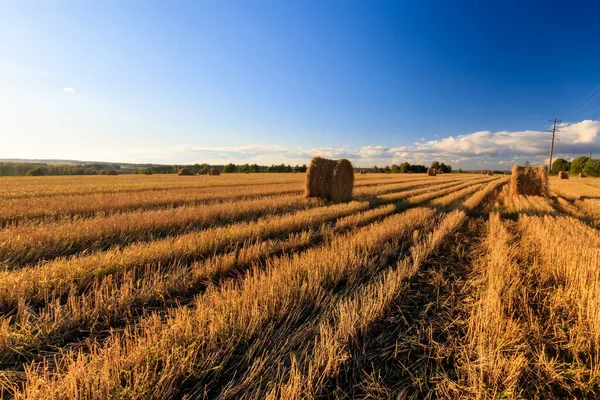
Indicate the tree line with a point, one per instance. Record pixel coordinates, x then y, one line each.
586 165
42 169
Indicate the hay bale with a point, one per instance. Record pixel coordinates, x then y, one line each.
409 172
329 179
582 175
214 171
111 172
203 171
147 172
363 172
185 172
102 173
431 172
563 175
491 173
529 181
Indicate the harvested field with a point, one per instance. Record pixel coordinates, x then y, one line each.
153 287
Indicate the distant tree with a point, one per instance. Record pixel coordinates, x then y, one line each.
387 169
460 171
254 168
301 168
37 171
375 169
395 169
527 163
435 165
404 167
244 168
560 164
592 167
230 168
578 164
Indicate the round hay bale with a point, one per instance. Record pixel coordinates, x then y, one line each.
329 179
363 172
563 175
409 172
491 173
203 171
582 175
431 172
214 171
529 181
111 172
148 172
185 172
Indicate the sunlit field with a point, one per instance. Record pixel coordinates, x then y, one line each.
236 286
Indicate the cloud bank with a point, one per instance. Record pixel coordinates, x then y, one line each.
482 149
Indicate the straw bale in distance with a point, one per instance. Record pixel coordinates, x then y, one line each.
147 172
214 171
330 179
111 172
529 181
491 173
431 172
582 175
185 172
563 175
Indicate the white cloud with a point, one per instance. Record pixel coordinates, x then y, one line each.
68 90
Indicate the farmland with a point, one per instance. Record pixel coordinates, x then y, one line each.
236 286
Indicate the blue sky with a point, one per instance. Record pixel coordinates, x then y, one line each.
468 83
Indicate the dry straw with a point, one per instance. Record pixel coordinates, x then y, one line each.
214 171
431 172
563 175
582 175
529 181
330 179
185 172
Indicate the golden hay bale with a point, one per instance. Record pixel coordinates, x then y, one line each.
491 173
185 172
582 175
111 172
214 171
330 179
203 171
363 172
529 181
409 172
563 175
431 172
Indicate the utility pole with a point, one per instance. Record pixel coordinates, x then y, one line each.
552 147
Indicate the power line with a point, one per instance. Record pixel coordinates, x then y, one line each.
595 93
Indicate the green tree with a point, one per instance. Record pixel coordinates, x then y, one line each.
230 168
560 164
435 165
387 169
592 167
404 167
395 169
37 171
578 164
375 169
